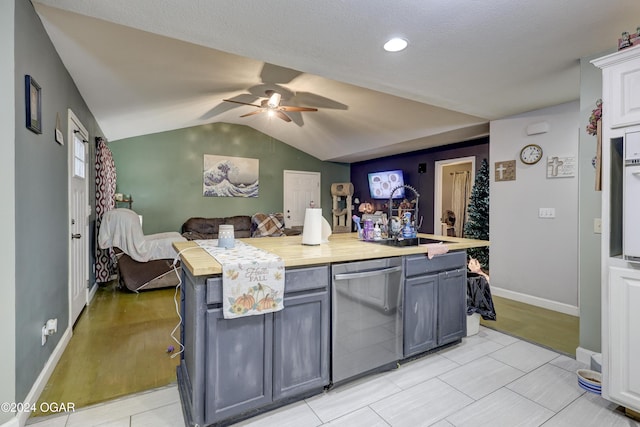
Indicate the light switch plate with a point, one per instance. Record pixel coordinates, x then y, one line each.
597 225
547 213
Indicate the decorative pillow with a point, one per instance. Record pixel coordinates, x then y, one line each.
270 225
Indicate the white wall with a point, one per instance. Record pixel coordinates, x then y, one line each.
531 259
7 211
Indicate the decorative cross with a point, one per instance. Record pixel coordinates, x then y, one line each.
505 170
555 164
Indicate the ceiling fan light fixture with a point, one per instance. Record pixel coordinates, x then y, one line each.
396 44
274 100
271 106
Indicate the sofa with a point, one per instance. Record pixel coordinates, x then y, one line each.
197 228
257 225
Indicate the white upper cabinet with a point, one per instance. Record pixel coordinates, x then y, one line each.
621 77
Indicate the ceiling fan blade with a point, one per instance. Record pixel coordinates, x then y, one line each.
308 98
282 115
276 74
243 103
253 112
292 108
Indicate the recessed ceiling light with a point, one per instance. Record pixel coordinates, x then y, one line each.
396 44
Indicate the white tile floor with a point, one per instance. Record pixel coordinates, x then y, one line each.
490 379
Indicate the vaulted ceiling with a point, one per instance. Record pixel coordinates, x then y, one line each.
149 66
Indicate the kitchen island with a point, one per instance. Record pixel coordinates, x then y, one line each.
235 368
340 248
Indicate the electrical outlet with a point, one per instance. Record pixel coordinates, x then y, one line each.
597 225
52 326
49 328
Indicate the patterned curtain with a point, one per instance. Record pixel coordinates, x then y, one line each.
460 199
105 201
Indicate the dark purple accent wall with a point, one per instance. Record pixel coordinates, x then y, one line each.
422 182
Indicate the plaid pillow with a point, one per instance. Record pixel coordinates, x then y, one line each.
270 225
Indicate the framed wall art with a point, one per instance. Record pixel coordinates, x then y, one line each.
33 101
505 171
230 176
561 167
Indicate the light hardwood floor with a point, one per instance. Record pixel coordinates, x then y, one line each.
549 328
119 346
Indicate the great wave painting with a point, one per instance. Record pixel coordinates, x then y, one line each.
230 176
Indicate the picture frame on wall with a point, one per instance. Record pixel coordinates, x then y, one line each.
33 101
226 176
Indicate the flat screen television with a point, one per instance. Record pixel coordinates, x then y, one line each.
382 183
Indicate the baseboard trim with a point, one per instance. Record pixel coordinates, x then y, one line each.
45 374
13 422
537 301
91 292
584 356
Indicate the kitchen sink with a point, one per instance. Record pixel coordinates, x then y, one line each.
414 241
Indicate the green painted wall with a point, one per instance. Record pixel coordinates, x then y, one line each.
163 173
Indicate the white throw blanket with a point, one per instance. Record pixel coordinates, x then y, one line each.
252 279
121 228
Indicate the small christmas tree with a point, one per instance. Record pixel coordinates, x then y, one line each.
477 225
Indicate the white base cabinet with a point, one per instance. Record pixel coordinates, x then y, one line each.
623 364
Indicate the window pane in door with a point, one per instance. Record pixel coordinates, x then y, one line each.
78 157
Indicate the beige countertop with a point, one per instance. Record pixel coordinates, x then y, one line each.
340 248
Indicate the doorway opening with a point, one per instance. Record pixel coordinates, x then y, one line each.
454 180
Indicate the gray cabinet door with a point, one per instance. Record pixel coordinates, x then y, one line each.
238 364
420 314
452 305
301 345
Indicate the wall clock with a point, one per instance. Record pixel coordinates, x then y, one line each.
530 154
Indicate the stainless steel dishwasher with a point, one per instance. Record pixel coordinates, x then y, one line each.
366 326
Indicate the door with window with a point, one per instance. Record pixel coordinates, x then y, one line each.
78 216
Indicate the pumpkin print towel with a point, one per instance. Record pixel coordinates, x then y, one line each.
252 279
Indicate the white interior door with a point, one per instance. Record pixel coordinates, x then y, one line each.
300 189
79 211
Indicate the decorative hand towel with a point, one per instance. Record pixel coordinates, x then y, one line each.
252 279
434 249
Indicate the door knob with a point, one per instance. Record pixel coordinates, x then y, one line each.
76 236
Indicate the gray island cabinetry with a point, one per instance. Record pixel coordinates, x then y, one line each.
232 367
435 301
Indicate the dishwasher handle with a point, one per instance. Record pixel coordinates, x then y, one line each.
347 276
